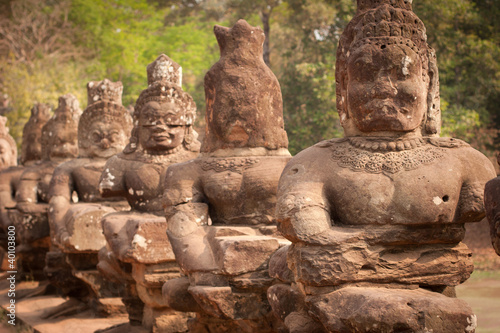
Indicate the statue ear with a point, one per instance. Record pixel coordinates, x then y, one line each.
133 142
341 89
433 122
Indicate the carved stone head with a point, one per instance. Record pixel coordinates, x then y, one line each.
164 113
59 135
243 96
105 124
387 79
31 149
8 149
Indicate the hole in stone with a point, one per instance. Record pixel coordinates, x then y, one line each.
383 47
446 198
294 170
367 267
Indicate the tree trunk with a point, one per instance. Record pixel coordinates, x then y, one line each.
264 17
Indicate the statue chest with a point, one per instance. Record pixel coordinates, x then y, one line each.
144 186
86 180
429 194
242 190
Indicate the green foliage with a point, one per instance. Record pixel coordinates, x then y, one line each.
42 81
307 36
129 34
310 111
40 62
466 37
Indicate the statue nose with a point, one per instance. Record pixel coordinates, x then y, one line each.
105 144
385 88
160 128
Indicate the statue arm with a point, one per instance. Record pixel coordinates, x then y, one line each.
477 170
112 181
301 209
60 190
5 202
7 180
492 206
27 192
186 215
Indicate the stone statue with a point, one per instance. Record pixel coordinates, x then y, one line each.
59 144
31 152
163 134
76 206
491 202
31 148
220 206
8 148
377 218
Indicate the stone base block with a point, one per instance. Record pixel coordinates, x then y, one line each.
427 265
83 222
372 309
222 302
30 227
165 320
241 254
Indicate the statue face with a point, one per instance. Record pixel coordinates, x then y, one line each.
5 154
64 144
34 146
385 89
156 132
105 139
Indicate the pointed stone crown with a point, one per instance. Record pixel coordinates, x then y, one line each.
164 69
165 86
385 22
105 91
105 104
67 110
32 133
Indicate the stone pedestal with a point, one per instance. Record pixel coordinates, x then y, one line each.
233 293
32 235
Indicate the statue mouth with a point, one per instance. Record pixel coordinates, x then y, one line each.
384 107
161 137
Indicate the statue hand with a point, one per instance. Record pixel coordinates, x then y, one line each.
32 208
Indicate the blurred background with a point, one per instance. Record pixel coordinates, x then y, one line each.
52 47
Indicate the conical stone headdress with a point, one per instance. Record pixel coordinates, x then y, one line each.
242 94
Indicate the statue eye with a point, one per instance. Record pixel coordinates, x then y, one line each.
113 137
96 137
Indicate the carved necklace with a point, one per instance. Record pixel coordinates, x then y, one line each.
377 155
234 164
386 144
173 155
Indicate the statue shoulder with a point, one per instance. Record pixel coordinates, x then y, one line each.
448 142
332 143
187 169
313 163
